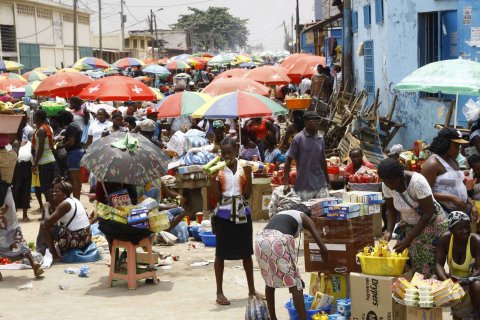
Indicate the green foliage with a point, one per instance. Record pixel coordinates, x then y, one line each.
214 23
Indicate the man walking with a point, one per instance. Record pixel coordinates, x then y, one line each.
308 149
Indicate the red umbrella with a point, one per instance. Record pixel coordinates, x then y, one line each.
305 67
117 89
63 84
269 75
291 59
232 73
10 84
227 85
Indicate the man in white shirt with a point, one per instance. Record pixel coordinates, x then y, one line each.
305 86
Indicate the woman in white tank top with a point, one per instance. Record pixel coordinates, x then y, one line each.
68 226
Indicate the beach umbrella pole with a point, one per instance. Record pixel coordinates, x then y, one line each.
456 110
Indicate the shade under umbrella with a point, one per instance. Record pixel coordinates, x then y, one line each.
133 160
305 67
117 88
239 104
227 85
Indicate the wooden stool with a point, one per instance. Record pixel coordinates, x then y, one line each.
133 273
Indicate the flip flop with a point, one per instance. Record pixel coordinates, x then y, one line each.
38 272
223 301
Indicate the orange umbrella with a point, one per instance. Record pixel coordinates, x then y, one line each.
117 89
9 84
63 84
232 73
227 85
305 67
269 75
151 61
291 59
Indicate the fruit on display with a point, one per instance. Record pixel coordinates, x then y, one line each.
9 107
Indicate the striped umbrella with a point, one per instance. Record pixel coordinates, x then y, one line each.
177 65
11 75
183 57
226 85
161 71
47 70
6 65
34 75
128 62
181 104
25 91
91 62
239 104
158 95
221 59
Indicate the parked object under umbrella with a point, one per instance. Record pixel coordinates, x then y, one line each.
126 158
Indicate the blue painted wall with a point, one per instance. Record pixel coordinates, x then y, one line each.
306 47
396 54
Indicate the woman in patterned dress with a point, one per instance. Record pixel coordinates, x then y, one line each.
277 257
409 194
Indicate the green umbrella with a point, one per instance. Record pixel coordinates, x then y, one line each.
459 77
220 59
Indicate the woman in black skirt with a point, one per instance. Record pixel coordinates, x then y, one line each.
22 179
233 223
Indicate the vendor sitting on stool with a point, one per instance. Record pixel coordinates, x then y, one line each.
357 161
455 246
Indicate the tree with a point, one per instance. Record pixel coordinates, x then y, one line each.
214 28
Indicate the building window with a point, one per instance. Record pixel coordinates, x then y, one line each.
367 19
142 44
25 10
369 73
7 34
44 13
379 11
29 56
84 20
437 38
126 43
85 52
135 43
68 17
355 21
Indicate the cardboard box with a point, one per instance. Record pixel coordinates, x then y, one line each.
372 298
341 231
336 285
345 207
377 224
423 314
259 191
341 256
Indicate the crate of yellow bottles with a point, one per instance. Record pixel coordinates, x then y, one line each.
379 260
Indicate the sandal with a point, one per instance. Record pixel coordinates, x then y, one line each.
223 301
38 272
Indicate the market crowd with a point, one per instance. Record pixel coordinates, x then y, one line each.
429 207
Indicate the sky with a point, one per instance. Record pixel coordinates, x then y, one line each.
265 16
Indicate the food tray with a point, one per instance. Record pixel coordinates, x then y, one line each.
295 104
403 303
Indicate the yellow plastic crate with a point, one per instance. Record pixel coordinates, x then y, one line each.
381 266
158 221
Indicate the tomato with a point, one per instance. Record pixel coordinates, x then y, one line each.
366 178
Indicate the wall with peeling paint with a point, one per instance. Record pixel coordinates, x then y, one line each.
396 55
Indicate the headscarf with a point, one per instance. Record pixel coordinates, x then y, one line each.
455 217
4 140
217 124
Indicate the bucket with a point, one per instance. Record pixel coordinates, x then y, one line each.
292 312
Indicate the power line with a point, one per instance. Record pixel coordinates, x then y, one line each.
131 13
174 5
132 25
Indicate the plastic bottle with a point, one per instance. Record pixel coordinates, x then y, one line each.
84 271
416 149
256 166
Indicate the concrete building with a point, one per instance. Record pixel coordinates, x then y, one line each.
40 33
111 47
391 39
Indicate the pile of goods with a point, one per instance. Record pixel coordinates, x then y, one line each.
426 293
380 260
144 215
11 108
278 177
53 107
364 175
414 159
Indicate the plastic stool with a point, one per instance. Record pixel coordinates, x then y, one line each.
133 273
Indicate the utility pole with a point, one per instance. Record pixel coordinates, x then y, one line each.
293 48
122 25
298 29
156 36
75 31
100 27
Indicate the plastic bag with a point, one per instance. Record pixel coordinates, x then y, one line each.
256 309
280 201
471 110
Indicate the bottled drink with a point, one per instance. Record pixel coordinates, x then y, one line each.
256 166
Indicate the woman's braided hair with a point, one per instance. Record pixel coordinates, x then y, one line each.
390 168
66 186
